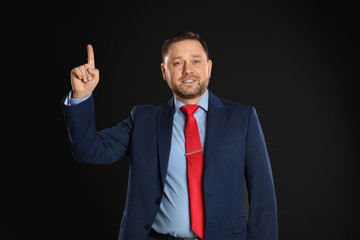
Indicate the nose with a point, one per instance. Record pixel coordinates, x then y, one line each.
187 68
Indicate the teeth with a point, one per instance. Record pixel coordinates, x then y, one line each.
187 81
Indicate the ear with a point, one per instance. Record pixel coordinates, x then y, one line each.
163 71
209 67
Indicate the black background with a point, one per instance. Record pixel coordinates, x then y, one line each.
296 62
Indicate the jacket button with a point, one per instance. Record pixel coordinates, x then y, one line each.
158 200
147 226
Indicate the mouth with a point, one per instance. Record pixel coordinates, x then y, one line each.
188 81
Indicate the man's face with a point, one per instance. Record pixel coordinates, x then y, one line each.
186 69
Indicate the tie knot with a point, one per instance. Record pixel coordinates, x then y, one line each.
189 109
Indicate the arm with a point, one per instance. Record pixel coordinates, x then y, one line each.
90 146
260 185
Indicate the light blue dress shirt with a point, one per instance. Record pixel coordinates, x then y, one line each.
174 213
173 216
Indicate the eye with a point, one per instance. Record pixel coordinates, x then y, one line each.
177 63
196 61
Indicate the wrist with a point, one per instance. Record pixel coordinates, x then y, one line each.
78 95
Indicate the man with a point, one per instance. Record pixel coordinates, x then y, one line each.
187 169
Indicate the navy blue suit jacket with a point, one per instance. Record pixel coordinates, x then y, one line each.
235 153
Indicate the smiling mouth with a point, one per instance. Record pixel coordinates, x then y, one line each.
188 81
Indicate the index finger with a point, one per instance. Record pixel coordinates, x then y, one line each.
91 58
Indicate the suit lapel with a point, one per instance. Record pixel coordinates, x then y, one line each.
215 121
164 130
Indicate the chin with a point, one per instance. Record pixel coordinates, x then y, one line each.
192 94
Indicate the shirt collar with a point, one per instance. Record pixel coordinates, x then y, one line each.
203 102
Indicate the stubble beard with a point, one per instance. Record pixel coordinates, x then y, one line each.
188 92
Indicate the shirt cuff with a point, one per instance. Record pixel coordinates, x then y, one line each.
69 101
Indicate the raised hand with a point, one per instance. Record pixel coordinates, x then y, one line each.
84 78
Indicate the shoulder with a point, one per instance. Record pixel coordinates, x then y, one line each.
238 110
148 110
229 105
235 105
231 109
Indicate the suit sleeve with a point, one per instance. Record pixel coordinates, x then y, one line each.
88 145
260 185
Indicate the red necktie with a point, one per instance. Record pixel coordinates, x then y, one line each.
195 164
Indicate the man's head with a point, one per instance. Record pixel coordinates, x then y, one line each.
186 66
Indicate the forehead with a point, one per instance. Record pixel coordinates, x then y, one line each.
185 48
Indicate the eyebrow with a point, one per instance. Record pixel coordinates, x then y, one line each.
193 56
